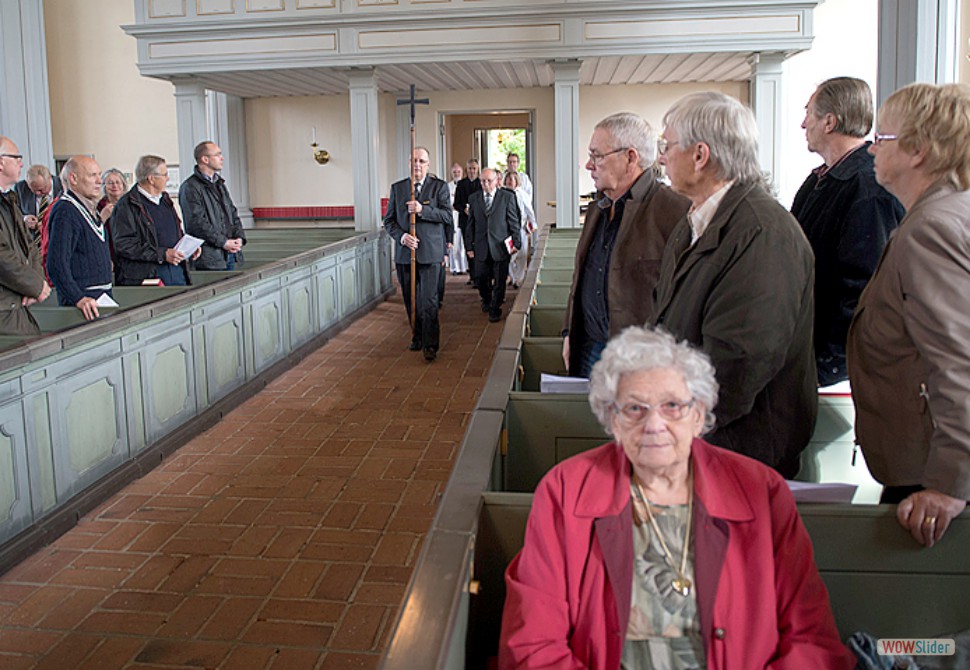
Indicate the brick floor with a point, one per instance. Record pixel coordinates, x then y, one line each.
282 538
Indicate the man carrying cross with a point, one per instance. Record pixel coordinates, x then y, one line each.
433 231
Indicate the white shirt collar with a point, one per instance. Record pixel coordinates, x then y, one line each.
700 217
154 198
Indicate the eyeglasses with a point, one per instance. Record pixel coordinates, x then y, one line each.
161 174
663 144
16 157
879 138
596 159
635 413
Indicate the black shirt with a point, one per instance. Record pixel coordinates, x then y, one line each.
594 282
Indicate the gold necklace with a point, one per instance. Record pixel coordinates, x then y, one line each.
681 583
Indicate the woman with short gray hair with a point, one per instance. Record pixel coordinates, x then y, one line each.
659 551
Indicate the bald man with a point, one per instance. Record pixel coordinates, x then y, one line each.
78 259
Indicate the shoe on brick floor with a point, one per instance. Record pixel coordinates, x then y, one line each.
430 354
495 316
414 346
485 307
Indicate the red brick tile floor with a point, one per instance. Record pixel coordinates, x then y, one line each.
284 537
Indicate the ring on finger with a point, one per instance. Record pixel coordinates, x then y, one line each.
929 520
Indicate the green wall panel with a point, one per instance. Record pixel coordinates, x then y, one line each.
170 383
92 425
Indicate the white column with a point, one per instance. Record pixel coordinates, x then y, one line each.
566 92
364 138
25 110
403 122
227 128
190 118
766 102
918 41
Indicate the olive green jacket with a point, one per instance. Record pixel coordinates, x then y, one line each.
20 272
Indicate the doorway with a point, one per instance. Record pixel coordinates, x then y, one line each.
488 136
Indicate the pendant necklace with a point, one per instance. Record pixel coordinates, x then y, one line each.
681 584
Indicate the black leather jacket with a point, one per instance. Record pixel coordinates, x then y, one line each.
211 216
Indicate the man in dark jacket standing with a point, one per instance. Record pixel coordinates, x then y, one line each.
210 213
434 229
845 214
623 239
145 230
737 281
493 218
21 280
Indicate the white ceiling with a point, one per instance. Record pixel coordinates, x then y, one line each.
467 75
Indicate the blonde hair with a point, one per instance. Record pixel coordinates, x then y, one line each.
936 120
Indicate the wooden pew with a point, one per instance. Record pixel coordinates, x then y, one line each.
879 579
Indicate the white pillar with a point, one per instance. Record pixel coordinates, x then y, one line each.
918 41
25 110
766 102
364 138
403 122
566 91
227 128
190 118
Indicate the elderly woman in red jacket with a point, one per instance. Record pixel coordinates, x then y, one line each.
659 550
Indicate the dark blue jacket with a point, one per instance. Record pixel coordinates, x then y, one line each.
847 217
77 256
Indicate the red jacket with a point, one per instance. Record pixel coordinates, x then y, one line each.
761 601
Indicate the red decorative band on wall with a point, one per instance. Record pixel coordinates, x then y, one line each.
338 212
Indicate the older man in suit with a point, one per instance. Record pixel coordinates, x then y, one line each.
431 206
36 193
493 218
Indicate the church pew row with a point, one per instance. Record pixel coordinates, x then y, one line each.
88 406
880 579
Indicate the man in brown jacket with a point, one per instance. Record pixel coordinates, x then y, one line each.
623 239
21 280
737 281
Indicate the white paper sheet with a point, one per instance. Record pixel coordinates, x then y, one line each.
105 300
827 492
187 245
559 384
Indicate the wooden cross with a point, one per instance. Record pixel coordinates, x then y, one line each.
411 100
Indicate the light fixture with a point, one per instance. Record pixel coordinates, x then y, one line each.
321 156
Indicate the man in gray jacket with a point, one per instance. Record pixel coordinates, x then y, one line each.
737 281
209 212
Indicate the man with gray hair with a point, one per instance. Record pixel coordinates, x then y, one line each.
36 193
622 242
146 229
737 281
78 259
846 215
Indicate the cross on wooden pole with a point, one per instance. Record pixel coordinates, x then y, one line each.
412 101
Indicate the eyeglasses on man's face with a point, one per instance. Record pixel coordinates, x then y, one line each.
663 144
16 157
597 158
635 413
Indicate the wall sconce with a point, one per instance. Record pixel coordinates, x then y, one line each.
321 156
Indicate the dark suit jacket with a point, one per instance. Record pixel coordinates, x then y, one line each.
744 294
434 226
463 191
27 199
486 233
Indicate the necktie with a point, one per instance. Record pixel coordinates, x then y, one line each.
45 202
417 189
488 202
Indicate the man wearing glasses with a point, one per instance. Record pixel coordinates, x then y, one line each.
737 282
845 214
622 243
21 280
210 213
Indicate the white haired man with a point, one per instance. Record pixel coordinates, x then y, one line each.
737 281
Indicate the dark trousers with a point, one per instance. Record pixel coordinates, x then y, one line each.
425 302
441 285
491 282
589 353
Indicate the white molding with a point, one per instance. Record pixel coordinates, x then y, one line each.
566 95
364 139
767 103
